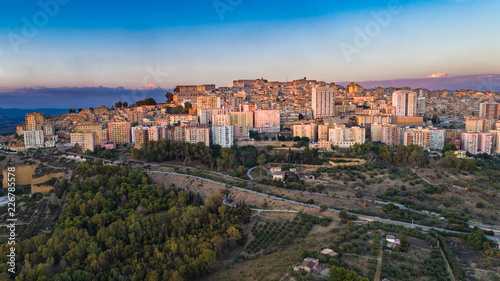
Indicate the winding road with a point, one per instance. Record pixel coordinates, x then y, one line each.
363 217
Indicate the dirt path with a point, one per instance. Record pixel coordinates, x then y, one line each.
447 265
379 263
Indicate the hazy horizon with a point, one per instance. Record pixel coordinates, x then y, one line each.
131 46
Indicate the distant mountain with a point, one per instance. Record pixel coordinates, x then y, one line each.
77 97
10 118
23 111
440 81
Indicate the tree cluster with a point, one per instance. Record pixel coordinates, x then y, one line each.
115 225
450 160
412 155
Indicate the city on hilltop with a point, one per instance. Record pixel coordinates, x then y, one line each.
357 177
326 115
232 140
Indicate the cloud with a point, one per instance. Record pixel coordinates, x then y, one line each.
438 75
150 86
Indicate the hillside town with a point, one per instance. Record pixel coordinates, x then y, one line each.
329 116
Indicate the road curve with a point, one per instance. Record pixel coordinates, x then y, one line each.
363 217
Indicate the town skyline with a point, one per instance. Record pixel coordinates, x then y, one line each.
68 97
72 45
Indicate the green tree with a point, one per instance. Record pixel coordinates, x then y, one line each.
187 106
170 97
448 147
476 239
435 119
385 153
342 274
261 159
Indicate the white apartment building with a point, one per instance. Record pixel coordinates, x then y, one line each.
477 143
207 115
33 139
405 103
223 136
346 137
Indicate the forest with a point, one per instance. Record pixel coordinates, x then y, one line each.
115 225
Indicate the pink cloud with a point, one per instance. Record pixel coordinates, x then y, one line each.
151 86
438 75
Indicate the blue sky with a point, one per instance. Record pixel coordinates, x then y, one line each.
118 43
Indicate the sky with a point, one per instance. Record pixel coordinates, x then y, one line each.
130 44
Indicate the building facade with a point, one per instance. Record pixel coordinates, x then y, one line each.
306 130
223 136
119 132
489 110
267 121
405 103
33 139
323 102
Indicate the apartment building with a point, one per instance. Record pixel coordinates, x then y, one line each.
489 110
323 132
193 134
223 136
390 135
141 136
405 103
119 132
183 118
87 141
154 133
207 102
221 120
241 132
477 143
207 115
346 137
34 139
267 121
34 121
88 127
479 124
323 102
101 135
244 118
306 130
428 138
421 104
368 120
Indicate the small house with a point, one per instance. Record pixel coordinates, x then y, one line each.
329 252
308 265
392 241
272 171
279 176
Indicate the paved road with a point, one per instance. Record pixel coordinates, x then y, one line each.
426 213
363 217
249 173
4 200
